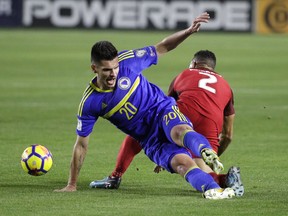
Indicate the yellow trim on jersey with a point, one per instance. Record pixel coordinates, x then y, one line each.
98 89
191 168
86 94
92 86
126 55
124 99
179 114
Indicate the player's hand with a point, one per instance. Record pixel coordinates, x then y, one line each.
68 188
195 27
158 169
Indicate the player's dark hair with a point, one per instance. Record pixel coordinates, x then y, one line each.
103 50
206 57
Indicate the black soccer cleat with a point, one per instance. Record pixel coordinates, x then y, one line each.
106 183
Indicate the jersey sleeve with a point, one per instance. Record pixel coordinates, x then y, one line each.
87 116
85 125
138 59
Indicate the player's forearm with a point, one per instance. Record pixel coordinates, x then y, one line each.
78 157
171 42
227 133
224 143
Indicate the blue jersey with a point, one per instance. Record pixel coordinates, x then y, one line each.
132 105
135 106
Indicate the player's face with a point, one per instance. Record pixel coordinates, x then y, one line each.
107 72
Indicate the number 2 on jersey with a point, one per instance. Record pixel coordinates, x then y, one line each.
209 80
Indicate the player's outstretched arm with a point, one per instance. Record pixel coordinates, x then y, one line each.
172 41
78 156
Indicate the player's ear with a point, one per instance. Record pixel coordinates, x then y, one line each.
192 64
93 68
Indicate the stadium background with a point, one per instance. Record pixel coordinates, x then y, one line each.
258 16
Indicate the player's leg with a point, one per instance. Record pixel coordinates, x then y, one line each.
177 159
219 178
178 129
210 129
129 148
231 179
187 168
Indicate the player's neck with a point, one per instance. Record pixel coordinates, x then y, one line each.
205 67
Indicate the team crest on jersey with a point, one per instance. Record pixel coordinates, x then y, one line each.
140 53
124 83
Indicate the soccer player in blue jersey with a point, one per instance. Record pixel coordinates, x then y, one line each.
122 95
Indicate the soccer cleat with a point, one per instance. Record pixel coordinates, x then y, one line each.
212 160
233 181
219 193
106 183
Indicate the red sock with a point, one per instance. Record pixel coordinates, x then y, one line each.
222 180
219 179
129 148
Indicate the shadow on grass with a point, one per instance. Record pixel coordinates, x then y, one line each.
145 190
128 189
33 184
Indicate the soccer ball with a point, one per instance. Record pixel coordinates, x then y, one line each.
36 160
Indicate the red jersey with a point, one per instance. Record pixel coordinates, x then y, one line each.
203 93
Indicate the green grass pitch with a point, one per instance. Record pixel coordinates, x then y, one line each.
43 74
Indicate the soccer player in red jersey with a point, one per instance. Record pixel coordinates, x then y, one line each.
206 98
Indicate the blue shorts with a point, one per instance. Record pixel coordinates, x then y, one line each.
158 145
164 154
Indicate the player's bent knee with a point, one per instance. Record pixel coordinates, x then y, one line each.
178 131
181 163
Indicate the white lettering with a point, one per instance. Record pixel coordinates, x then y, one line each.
181 11
126 15
5 7
237 16
217 20
96 11
133 14
35 9
61 20
155 12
